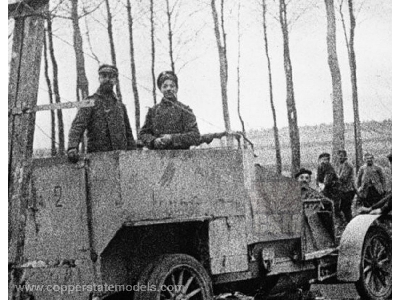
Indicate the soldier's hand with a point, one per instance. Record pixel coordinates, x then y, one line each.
159 144
364 210
377 211
73 155
166 139
163 141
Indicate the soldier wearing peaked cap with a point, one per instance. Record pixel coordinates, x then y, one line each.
303 176
107 122
328 180
383 206
169 124
345 172
370 182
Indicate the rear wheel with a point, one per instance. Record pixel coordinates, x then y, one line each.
175 277
375 281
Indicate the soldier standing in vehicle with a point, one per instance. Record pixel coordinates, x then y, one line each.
345 174
106 122
319 234
303 176
169 124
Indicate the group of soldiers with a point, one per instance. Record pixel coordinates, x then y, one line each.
168 125
366 194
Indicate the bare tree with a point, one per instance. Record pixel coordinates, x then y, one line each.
290 100
238 76
61 137
133 67
153 50
112 44
353 73
50 91
338 141
82 84
220 36
182 31
171 53
271 94
87 34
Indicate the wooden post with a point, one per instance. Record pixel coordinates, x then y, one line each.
22 94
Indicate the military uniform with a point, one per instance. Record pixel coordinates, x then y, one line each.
174 118
347 188
107 125
326 174
371 184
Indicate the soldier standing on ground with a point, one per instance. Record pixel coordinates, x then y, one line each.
328 180
106 122
370 183
345 174
384 206
169 124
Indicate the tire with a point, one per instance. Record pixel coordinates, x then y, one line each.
375 281
175 276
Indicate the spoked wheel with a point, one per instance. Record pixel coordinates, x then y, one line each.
175 277
375 281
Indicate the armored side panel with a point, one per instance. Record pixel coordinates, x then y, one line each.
57 204
56 241
155 187
276 205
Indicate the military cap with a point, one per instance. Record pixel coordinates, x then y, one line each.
108 69
325 154
344 152
302 171
165 76
366 154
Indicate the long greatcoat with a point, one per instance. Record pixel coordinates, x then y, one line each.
107 125
174 118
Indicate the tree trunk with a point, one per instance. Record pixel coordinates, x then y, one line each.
171 53
112 45
89 40
153 51
353 70
223 63
271 94
133 68
22 93
61 137
50 90
338 141
238 79
82 82
290 101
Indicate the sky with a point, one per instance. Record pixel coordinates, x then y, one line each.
199 84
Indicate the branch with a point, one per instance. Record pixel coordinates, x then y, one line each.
91 11
344 25
88 38
56 7
188 62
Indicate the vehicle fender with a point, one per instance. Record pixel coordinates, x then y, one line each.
350 247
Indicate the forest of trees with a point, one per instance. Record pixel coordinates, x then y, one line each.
147 36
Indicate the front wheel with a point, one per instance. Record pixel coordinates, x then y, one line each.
175 277
375 281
